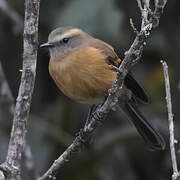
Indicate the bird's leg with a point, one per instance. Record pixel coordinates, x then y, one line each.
80 134
97 115
91 110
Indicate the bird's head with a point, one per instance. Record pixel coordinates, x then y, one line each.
64 40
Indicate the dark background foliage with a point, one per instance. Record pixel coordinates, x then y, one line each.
117 152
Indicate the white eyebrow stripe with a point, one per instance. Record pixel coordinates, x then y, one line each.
66 34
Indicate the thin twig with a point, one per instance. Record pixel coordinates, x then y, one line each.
146 3
159 7
13 15
133 26
2 177
132 56
170 120
12 165
140 5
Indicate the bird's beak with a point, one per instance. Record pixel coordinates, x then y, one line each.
46 45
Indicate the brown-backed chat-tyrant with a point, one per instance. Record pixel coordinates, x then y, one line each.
79 65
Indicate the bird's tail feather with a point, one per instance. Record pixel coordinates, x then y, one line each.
152 138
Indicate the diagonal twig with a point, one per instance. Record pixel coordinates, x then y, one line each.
132 56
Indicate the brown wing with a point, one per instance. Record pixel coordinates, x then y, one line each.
113 59
107 50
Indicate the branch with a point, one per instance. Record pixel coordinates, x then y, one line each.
159 7
12 165
2 177
7 101
13 15
132 56
172 140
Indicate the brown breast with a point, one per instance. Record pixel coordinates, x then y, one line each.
84 76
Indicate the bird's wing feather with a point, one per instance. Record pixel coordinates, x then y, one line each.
113 59
153 139
134 86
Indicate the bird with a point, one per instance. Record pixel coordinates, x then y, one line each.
80 67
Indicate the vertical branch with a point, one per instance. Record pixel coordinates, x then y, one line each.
12 165
7 101
2 177
170 120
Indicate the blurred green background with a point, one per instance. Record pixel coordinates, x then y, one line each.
117 152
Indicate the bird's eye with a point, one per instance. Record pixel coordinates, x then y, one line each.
65 40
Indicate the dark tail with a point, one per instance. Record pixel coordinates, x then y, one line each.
153 139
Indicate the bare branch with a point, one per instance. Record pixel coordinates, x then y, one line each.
146 3
159 6
7 100
170 120
12 165
13 15
133 26
132 56
2 177
140 5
